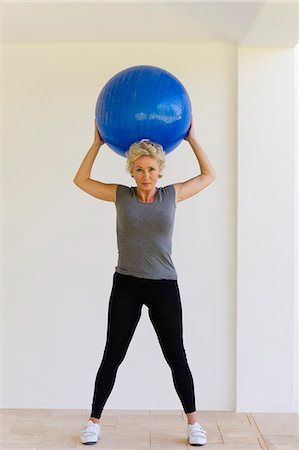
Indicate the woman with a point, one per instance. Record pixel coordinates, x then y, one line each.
145 273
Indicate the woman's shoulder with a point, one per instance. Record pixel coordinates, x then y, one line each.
122 188
168 191
122 191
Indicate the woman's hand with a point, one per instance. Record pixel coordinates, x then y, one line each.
98 140
191 132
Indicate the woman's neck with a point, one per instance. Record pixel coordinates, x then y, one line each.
146 196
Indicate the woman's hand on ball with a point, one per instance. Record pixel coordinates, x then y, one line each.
98 140
191 132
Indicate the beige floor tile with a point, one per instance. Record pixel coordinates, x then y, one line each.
22 437
216 415
135 439
127 445
282 442
166 412
148 425
238 429
7 417
31 422
239 440
59 429
6 424
68 419
176 447
70 411
169 439
26 429
45 435
17 446
176 420
6 413
235 419
58 443
109 420
21 442
273 423
42 413
60 437
125 412
42 447
211 446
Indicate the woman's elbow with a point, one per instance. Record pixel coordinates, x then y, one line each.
211 177
77 182
214 176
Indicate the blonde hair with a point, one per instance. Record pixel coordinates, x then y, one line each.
145 147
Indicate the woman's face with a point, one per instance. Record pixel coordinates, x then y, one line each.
146 171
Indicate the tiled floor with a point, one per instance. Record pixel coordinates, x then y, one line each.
156 430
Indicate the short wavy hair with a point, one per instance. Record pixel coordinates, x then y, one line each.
145 147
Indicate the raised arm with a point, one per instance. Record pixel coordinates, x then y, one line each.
97 189
207 173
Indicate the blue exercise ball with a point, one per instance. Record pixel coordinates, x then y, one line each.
143 102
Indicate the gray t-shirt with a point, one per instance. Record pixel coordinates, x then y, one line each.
144 233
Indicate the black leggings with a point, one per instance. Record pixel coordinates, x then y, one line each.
162 298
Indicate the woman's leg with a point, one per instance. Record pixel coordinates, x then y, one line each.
123 315
165 312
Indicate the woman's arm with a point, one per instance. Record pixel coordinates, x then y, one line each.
97 189
207 174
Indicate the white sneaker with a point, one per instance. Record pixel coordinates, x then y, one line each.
90 433
196 435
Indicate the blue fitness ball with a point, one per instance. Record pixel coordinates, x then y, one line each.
143 102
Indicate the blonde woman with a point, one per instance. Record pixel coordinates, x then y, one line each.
145 273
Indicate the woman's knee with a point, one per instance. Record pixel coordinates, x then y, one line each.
111 360
176 358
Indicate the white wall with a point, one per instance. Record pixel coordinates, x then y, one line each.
60 250
267 319
297 219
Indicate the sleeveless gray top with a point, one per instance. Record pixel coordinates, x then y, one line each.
144 233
